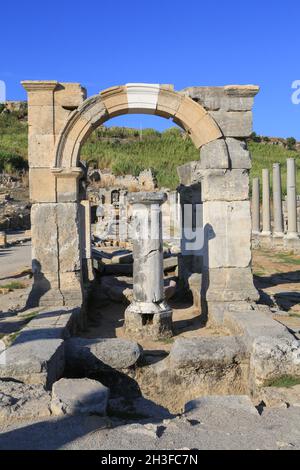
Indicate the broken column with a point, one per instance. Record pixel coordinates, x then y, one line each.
148 314
277 202
255 206
291 199
266 231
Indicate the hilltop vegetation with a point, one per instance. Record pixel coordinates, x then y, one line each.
128 151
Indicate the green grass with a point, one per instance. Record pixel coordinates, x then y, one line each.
287 258
12 285
286 381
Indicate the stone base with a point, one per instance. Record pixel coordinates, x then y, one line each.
152 324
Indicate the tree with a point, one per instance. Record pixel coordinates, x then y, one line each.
291 142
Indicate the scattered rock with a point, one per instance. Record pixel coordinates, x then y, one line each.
272 358
79 396
88 355
195 408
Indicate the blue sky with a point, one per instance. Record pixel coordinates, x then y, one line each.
101 44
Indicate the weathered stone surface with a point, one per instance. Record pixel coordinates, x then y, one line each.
227 232
44 237
37 354
196 408
21 401
227 98
273 357
238 154
253 324
42 185
69 248
214 155
94 354
186 173
205 352
229 284
279 397
79 396
225 185
234 123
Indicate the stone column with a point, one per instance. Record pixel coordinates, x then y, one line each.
277 202
255 206
266 231
291 199
148 314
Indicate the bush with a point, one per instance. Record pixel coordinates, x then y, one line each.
291 142
10 163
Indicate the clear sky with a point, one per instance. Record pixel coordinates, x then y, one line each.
192 42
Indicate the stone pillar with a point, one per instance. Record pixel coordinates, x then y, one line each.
255 206
291 199
277 202
148 314
266 231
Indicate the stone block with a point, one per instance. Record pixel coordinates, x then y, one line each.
36 356
40 150
41 120
233 123
67 188
69 95
200 406
44 237
68 236
189 113
115 100
225 185
201 353
142 97
91 355
79 396
229 284
227 234
214 155
168 103
274 357
216 98
42 186
238 154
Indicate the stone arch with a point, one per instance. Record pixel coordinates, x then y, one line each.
133 98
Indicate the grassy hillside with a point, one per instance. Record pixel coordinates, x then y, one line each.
125 150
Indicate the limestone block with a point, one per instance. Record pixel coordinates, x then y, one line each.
168 103
214 155
41 120
40 150
91 355
238 153
115 100
234 123
67 187
241 90
273 358
79 396
142 97
200 406
97 113
68 236
69 95
216 98
186 173
42 187
201 353
40 92
205 131
229 284
189 113
44 237
227 229
61 116
225 185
